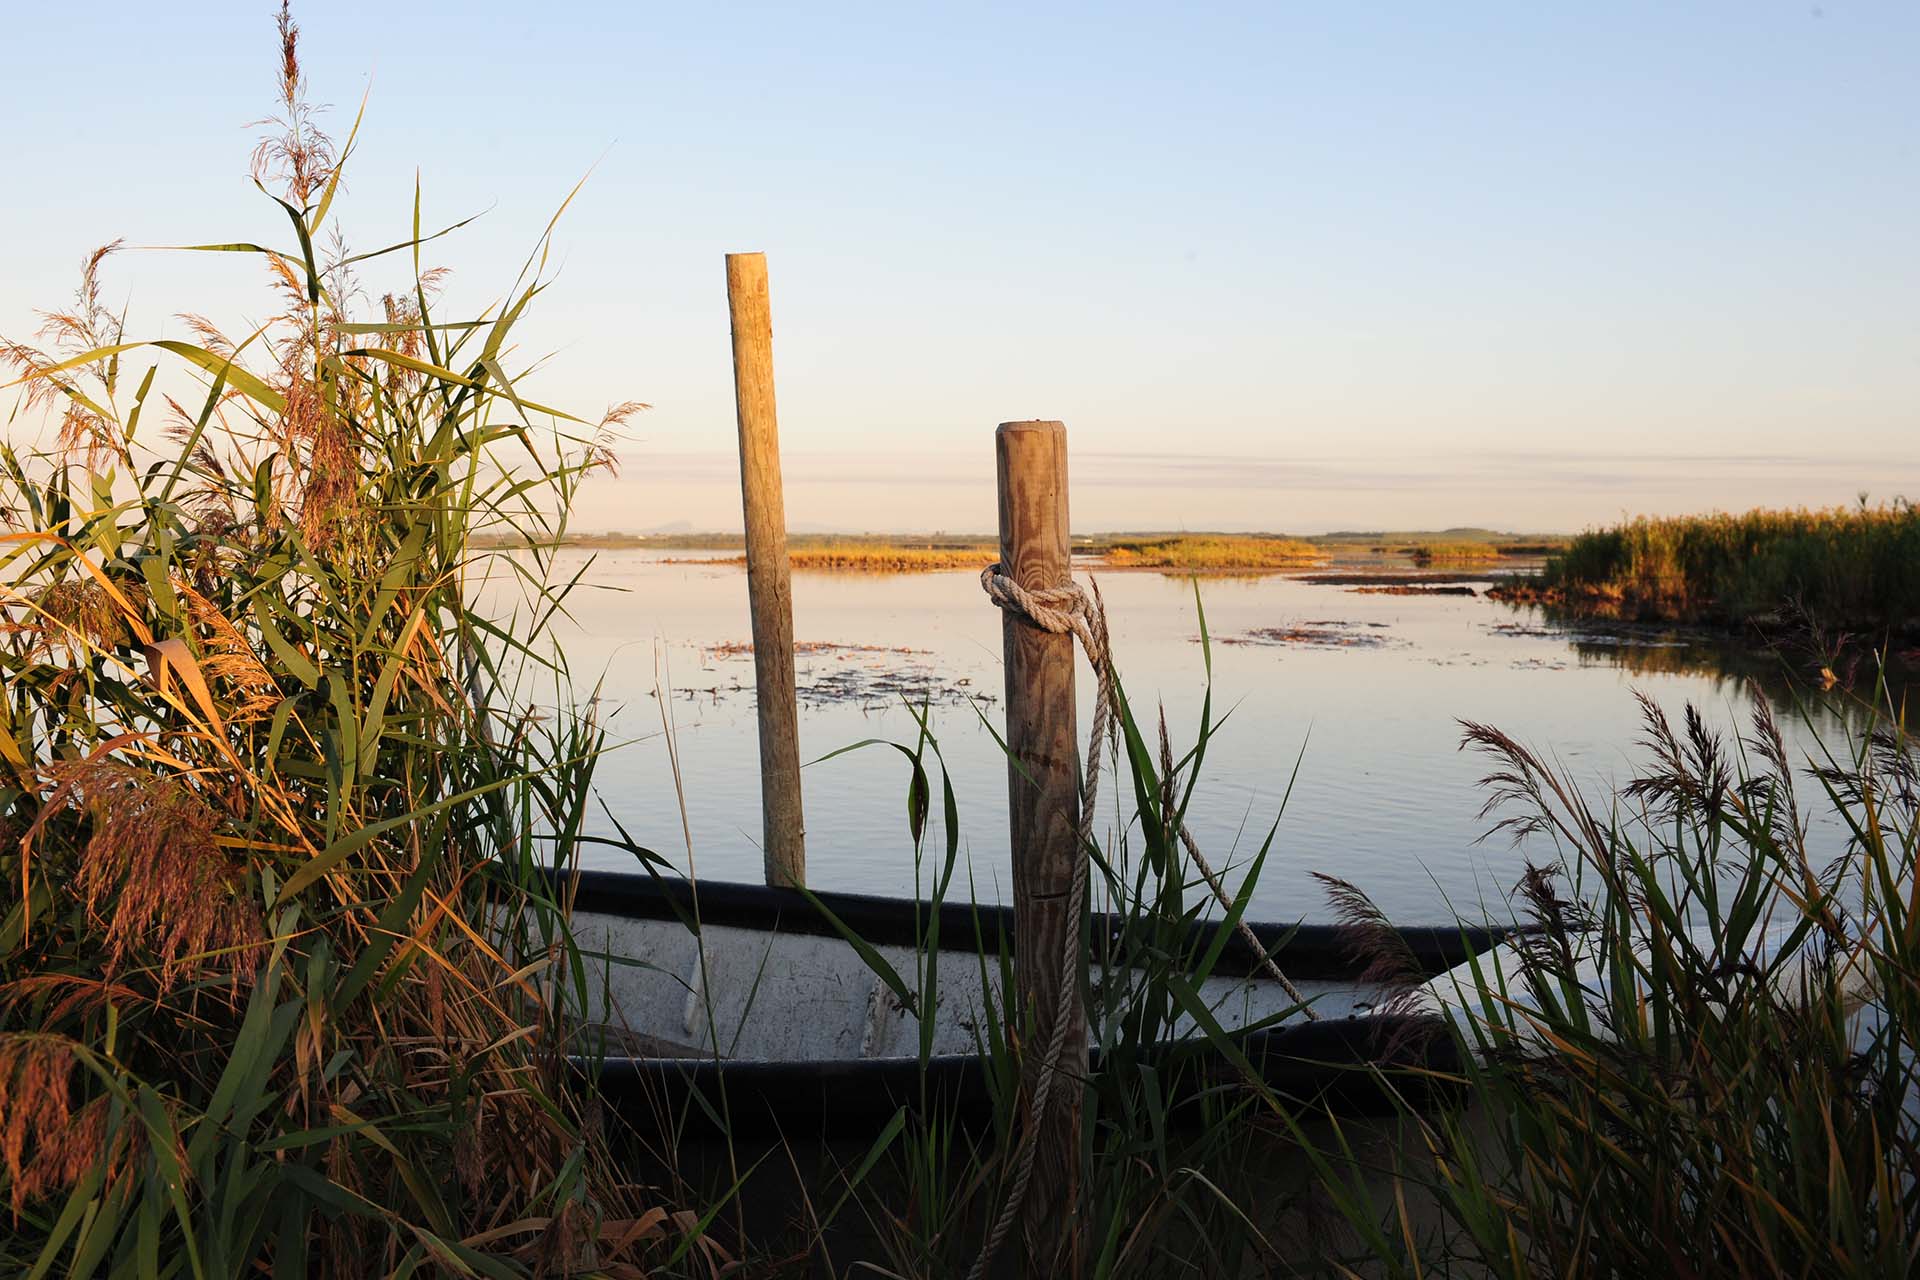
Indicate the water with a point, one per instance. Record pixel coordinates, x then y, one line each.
1366 700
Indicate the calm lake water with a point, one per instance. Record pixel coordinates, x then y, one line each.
1363 690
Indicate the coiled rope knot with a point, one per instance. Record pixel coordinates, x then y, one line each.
1064 610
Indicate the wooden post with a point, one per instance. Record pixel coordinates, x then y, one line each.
1043 794
769 577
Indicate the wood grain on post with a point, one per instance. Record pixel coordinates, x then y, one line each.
1043 792
769 577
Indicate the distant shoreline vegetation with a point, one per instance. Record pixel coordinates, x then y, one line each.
1191 552
1851 567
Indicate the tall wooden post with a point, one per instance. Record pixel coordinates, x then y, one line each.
769 577
1043 793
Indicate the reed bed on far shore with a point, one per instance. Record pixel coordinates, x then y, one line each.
1222 552
1840 567
1473 553
1193 552
864 558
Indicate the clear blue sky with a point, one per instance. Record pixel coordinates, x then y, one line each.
1278 266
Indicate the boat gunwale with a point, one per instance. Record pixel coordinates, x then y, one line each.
1314 952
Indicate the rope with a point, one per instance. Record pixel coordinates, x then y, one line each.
1068 610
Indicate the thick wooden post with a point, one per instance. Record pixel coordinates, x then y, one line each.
769 577
1043 793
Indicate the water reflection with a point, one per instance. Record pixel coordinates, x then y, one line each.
1382 795
1839 677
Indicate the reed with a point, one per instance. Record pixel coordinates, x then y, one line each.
1174 1177
1844 566
1427 553
277 808
1211 552
861 558
1699 1054
1703 1062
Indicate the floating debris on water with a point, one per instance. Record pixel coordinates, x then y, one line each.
873 688
806 648
862 675
1323 633
1408 589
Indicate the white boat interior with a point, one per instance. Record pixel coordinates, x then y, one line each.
760 994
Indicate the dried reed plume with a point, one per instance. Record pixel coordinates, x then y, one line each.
73 614
46 1142
1547 799
298 155
86 326
1689 777
227 659
1387 967
154 874
1380 954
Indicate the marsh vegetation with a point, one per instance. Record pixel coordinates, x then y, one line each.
287 817
1841 568
277 806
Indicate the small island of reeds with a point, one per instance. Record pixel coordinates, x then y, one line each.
1213 552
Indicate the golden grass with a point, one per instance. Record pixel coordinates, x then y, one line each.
886 559
1199 552
1212 552
1454 553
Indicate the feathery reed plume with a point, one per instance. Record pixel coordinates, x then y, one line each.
600 451
1387 966
1773 790
227 660
1690 776
1548 799
46 1142
60 996
1882 783
35 1103
327 830
74 615
299 156
1380 954
1556 920
82 433
154 872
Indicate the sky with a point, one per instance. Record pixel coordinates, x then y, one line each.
1278 266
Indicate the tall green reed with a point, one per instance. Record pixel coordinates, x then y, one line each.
1169 1146
1703 1062
278 806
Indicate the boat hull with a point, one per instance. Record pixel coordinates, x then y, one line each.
750 1003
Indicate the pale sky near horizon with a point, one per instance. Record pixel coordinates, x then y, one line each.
1278 266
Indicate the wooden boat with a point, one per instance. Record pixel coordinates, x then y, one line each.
750 1002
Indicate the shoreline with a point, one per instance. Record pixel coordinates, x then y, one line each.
1419 557
1627 609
